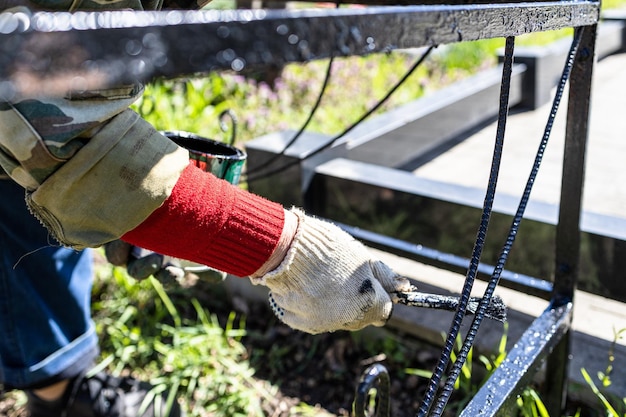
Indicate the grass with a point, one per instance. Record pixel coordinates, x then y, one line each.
470 381
197 359
614 407
194 104
167 336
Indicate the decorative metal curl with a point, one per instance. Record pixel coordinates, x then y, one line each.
374 377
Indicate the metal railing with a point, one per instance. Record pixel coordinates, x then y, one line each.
60 51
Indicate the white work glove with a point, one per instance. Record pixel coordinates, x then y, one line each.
328 281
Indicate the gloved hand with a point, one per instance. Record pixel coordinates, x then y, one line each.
328 281
141 263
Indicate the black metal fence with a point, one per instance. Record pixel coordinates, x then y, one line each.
57 51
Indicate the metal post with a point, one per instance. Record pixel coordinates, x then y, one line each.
568 228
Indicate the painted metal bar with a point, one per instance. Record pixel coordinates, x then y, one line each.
57 51
497 396
413 2
568 233
576 135
450 262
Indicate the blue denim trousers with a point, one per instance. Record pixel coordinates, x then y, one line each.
46 331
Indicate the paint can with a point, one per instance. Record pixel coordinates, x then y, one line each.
222 159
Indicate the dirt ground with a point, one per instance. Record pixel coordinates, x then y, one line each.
320 370
324 370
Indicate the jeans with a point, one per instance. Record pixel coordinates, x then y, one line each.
46 331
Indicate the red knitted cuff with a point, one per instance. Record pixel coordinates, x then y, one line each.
211 222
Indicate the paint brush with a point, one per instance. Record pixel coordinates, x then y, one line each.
496 310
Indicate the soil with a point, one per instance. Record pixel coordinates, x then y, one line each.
324 370
320 370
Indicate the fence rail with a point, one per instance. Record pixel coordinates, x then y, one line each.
57 50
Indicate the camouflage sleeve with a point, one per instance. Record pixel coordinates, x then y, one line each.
45 132
92 168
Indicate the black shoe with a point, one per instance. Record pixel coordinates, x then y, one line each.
103 395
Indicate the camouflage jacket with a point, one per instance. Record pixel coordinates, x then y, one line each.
92 169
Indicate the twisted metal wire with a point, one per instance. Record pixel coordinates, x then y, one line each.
300 131
393 89
374 377
493 282
306 123
431 391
